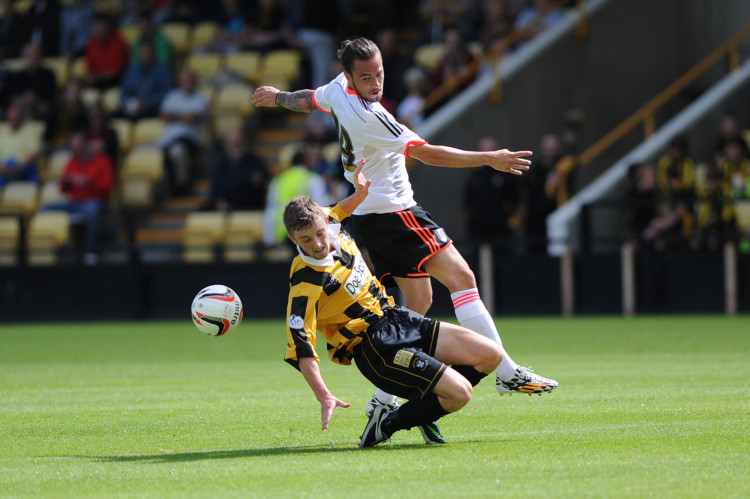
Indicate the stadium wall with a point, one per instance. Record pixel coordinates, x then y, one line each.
524 285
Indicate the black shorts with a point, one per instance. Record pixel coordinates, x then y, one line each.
400 242
397 354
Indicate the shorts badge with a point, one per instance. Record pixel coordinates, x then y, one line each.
441 236
420 364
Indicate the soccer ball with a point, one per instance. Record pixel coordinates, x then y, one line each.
216 310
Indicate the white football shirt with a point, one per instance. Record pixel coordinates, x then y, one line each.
367 130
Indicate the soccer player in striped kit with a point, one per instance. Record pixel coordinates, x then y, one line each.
403 242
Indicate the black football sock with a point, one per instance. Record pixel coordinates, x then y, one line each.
471 374
414 413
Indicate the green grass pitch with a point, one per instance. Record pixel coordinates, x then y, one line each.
648 406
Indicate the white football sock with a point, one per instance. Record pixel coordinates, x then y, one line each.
385 397
472 314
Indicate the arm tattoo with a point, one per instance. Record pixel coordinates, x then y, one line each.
300 101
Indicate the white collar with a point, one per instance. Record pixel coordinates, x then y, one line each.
333 230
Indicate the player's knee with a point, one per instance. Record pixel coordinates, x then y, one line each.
419 303
459 396
493 355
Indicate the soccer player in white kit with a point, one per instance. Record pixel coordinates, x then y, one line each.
402 240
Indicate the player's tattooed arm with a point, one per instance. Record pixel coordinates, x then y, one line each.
300 101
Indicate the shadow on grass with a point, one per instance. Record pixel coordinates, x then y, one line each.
178 457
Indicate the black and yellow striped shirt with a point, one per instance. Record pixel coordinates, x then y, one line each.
337 296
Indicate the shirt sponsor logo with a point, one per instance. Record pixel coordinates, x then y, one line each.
357 278
403 358
296 322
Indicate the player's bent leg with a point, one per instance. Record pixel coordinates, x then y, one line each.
450 268
457 345
417 293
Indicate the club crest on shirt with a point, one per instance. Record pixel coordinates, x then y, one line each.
403 358
441 236
296 322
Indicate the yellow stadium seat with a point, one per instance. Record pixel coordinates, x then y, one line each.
244 231
124 130
78 68
129 33
56 163
14 63
205 64
224 122
59 66
50 193
48 232
144 161
20 198
10 230
332 153
136 192
235 98
428 55
246 64
147 131
178 35
111 99
90 96
202 231
202 34
742 215
283 62
275 80
209 93
286 154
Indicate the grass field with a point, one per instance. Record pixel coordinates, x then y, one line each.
646 407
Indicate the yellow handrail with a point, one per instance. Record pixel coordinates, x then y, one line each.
645 114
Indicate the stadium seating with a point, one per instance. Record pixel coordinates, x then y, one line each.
90 96
234 98
204 64
742 215
283 63
178 35
59 66
77 68
129 33
147 131
244 232
201 233
111 99
202 34
136 193
428 55
20 197
246 64
50 193
144 162
10 230
56 163
286 154
124 130
48 233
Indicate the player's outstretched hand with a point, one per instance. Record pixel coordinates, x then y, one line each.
361 184
510 161
265 97
326 409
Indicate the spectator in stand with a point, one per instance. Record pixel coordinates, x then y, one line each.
35 84
101 136
672 227
729 129
534 9
441 15
44 20
491 200
714 215
317 23
268 27
4 90
641 196
15 31
191 11
69 114
20 147
297 180
410 109
456 59
75 28
734 167
395 62
148 32
106 54
232 33
676 164
240 180
145 85
185 111
88 181
495 23
540 192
